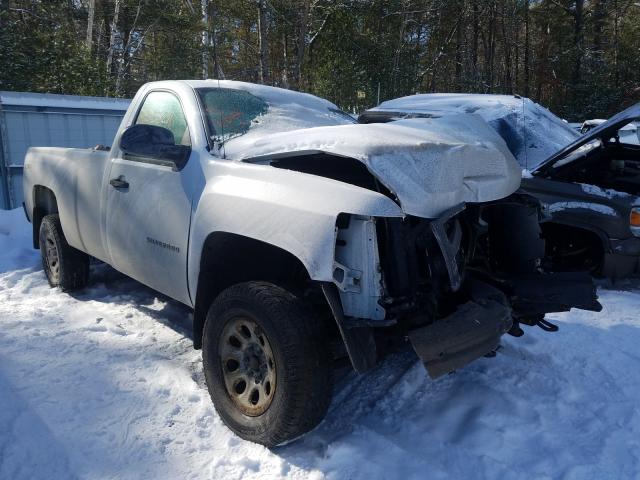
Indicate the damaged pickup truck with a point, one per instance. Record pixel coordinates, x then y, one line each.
299 238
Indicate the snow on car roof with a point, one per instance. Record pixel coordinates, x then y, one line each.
446 102
274 95
545 133
52 100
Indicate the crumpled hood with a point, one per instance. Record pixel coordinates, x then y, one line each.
430 165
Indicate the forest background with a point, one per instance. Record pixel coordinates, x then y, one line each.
579 58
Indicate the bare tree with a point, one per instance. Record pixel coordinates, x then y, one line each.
263 41
476 36
91 12
526 48
577 12
213 40
302 41
285 61
205 38
113 36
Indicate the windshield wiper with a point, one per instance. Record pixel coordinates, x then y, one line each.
219 140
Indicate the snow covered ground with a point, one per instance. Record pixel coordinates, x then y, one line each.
105 384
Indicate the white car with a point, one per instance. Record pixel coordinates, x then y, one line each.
299 236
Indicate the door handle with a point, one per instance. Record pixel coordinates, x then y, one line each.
119 183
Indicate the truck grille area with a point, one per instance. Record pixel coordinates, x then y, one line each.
426 263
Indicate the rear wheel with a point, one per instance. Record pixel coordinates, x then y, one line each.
65 266
266 363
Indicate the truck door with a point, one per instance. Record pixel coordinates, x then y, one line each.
148 207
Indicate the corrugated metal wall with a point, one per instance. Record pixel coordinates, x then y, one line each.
26 124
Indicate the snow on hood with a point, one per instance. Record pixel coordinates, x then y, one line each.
531 132
596 207
601 192
431 165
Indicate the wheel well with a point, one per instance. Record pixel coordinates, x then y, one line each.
44 203
574 248
228 259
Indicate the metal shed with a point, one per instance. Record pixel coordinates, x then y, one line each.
48 120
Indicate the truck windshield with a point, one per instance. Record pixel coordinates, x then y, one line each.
229 112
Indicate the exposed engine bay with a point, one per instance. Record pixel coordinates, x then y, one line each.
456 284
452 284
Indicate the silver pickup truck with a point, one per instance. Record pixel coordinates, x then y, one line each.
299 238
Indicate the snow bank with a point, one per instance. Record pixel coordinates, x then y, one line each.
16 249
105 384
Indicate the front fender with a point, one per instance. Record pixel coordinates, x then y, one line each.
294 211
604 212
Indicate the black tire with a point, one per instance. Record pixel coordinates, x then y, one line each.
301 366
64 266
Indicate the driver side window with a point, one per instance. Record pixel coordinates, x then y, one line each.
163 109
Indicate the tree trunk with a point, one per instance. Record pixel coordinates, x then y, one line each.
506 46
91 11
285 62
616 44
490 58
205 38
263 41
302 42
474 51
112 37
217 67
397 54
458 67
123 59
599 19
578 41
526 48
128 37
516 61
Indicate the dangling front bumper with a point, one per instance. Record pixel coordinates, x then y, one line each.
473 330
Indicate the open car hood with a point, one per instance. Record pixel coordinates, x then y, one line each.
605 131
430 165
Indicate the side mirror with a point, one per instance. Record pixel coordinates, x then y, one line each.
150 142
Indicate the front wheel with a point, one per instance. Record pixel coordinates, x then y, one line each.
266 363
65 266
